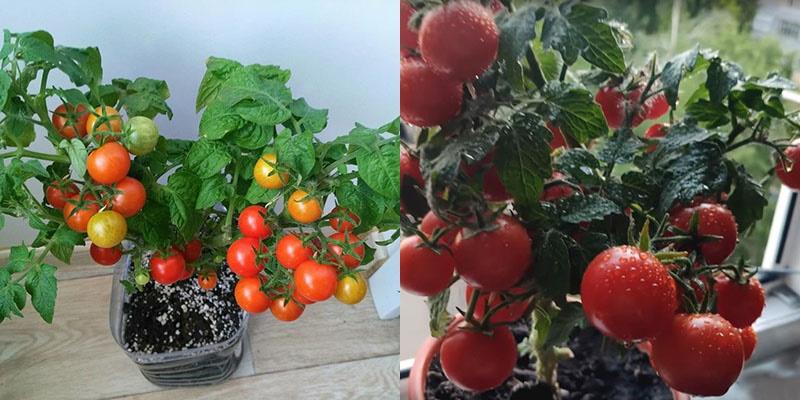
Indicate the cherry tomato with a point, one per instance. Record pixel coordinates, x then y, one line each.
169 268
741 305
315 281
698 354
430 223
109 163
556 192
558 137
303 208
193 250
142 279
613 102
286 310
495 259
749 341
351 289
290 251
105 256
476 361
300 299
493 188
249 296
106 120
508 313
423 272
342 224
207 281
58 192
242 256
408 37
713 219
107 229
790 174
655 131
347 248
253 224
409 168
77 215
188 271
70 121
623 276
467 23
656 106
426 97
143 135
265 174
130 198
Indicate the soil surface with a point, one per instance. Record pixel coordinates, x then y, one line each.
181 316
600 370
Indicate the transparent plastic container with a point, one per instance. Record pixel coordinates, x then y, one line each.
206 365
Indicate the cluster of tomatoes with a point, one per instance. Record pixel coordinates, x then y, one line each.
310 271
101 206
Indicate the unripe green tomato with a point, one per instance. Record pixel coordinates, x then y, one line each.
142 278
144 135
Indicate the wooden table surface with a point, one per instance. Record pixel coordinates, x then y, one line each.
333 351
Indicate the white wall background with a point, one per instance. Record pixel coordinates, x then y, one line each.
343 53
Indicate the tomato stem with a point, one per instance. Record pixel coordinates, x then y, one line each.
37 155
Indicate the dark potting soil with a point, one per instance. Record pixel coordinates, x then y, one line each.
181 316
600 370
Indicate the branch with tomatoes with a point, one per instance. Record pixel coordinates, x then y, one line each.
531 180
251 190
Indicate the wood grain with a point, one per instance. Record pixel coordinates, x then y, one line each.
374 378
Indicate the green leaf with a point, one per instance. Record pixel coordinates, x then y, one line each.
7 47
516 32
21 171
5 84
526 159
218 120
593 207
575 111
151 224
381 170
146 97
17 130
721 77
258 195
18 259
252 136
212 191
680 135
82 66
63 242
445 157
244 84
218 70
574 29
621 148
580 164
712 114
182 190
270 72
77 153
772 81
673 72
747 201
313 119
570 317
359 199
42 286
693 171
296 151
37 46
12 297
207 158
552 266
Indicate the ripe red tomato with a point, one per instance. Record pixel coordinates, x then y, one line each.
495 259
290 251
77 216
252 223
58 192
749 341
493 188
713 219
193 250
655 131
790 174
345 247
207 281
242 256
489 300
303 208
476 361
558 137
249 296
315 281
109 163
409 168
431 223
300 299
426 97
612 101
623 276
167 269
342 224
422 271
70 121
554 193
188 271
656 106
741 305
130 197
408 37
468 24
698 354
286 310
105 256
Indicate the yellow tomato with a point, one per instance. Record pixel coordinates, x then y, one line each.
265 174
107 229
110 119
351 290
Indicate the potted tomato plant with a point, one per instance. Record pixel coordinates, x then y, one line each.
254 214
575 229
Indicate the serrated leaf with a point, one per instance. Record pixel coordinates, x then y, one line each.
580 164
697 170
673 72
63 242
381 170
593 207
747 201
620 148
218 120
361 201
570 317
212 191
721 77
244 84
42 286
182 190
575 111
314 119
552 266
37 46
150 223
445 158
712 114
76 151
82 66
574 29
296 151
207 158
526 160
18 259
146 97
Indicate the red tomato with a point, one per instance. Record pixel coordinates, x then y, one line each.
130 197
109 163
207 281
252 223
495 259
242 256
558 137
422 271
749 341
623 276
426 97
58 192
655 131
188 271
556 192
790 174
468 24
168 269
431 223
291 252
70 121
716 220
487 301
300 299
249 296
342 224
613 102
656 106
409 168
493 188
345 247
741 305
77 216
104 256
193 250
698 354
315 281
286 310
478 362
408 37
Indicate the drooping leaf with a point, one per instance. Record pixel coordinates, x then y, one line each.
673 72
42 286
552 272
77 153
313 119
575 111
747 201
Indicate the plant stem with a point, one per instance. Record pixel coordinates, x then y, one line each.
228 233
536 74
60 158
